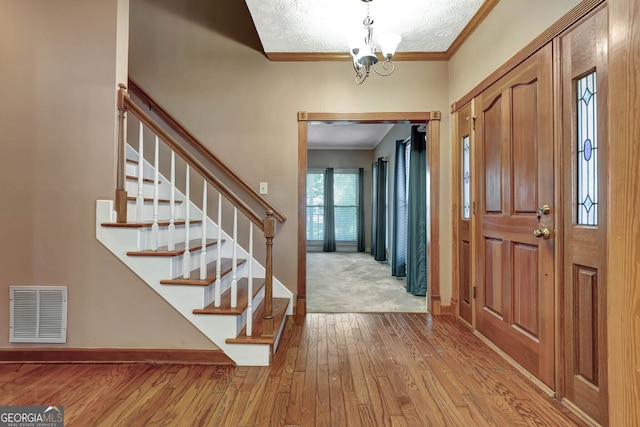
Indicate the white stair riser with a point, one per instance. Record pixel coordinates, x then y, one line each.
132 169
177 263
209 294
164 189
146 235
164 211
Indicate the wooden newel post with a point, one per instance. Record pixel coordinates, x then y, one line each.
269 233
121 192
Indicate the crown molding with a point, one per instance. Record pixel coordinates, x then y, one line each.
346 56
484 11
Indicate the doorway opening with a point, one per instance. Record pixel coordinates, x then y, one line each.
432 121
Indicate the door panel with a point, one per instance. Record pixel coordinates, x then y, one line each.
525 283
585 171
493 271
514 134
492 155
525 180
586 315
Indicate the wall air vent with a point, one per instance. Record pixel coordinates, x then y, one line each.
38 314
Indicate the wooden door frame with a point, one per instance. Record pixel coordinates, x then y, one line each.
433 171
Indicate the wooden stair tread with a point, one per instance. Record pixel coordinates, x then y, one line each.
150 200
194 278
135 178
225 300
279 312
163 223
132 161
194 245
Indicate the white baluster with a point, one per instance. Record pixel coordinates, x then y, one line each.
218 285
234 261
154 226
186 260
140 198
171 243
203 252
250 284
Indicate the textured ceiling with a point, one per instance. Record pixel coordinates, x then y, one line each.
328 25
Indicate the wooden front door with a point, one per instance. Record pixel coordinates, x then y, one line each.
515 187
584 148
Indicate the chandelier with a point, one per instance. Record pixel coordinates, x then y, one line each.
363 51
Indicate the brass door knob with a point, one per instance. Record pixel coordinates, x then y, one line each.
542 232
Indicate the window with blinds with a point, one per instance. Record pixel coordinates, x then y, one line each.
345 194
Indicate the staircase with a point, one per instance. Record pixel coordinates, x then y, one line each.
200 268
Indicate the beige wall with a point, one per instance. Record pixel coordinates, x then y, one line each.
511 25
245 107
57 125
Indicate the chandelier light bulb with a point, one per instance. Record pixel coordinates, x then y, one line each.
388 44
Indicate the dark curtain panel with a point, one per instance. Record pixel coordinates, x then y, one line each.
329 244
379 213
399 235
417 215
360 211
374 206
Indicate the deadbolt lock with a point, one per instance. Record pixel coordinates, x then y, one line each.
543 210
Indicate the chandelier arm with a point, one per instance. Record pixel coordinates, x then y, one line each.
388 66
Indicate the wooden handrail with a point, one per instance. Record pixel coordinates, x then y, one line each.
181 130
129 105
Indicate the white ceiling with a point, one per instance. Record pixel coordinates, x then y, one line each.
345 136
327 25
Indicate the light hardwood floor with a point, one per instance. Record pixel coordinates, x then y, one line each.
331 370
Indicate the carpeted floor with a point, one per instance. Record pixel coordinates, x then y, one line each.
341 282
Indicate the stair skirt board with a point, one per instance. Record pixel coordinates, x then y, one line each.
115 355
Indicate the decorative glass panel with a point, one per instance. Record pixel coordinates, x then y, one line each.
587 150
466 178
